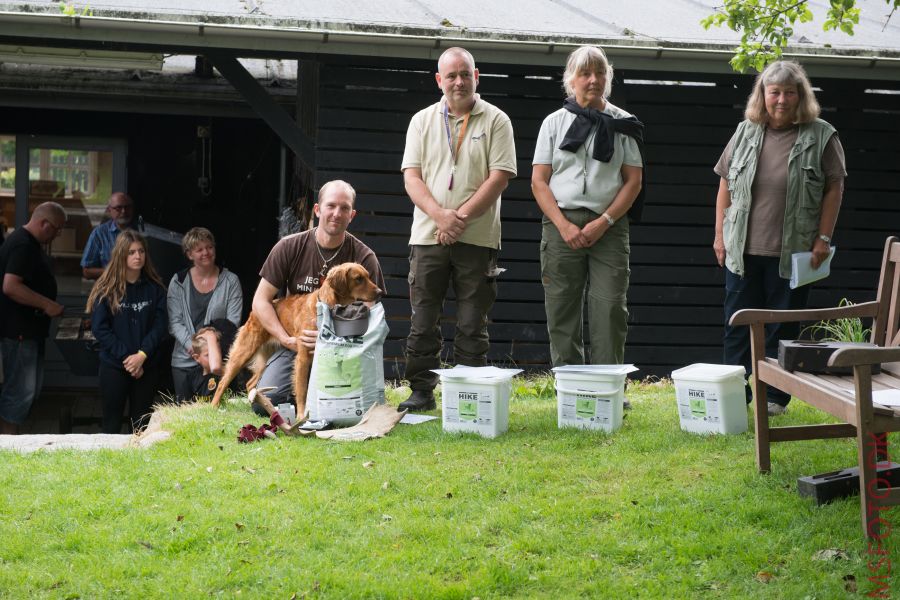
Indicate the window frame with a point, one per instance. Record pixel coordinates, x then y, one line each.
25 143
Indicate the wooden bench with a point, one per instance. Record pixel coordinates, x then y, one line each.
847 398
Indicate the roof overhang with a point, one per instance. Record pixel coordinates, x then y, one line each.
296 38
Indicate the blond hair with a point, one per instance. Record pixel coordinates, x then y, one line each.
587 58
782 72
198 340
197 235
111 284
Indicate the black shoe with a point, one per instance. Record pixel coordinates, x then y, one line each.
419 401
626 405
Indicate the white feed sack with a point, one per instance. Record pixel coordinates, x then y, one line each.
347 372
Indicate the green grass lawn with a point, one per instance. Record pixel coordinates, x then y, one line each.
647 511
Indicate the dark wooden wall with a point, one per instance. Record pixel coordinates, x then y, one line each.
163 166
363 108
676 294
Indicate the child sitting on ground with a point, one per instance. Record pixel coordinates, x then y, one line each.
206 349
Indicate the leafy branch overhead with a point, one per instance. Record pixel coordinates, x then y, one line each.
70 10
766 26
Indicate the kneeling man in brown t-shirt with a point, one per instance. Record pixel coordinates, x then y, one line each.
298 264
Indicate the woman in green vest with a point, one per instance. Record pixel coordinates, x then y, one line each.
782 179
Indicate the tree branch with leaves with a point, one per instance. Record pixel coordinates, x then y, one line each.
70 10
766 26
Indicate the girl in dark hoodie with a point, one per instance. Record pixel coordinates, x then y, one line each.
128 306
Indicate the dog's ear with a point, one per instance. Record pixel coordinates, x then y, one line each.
335 286
343 279
349 280
326 294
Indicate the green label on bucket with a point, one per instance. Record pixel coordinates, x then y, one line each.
468 410
698 405
585 408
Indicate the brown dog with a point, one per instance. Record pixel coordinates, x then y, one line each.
345 283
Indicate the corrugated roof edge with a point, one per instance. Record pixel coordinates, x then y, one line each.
261 36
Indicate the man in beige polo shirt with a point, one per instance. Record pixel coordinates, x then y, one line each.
459 157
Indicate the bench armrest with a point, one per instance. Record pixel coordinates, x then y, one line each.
849 357
749 316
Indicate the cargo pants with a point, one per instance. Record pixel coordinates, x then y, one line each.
432 269
600 274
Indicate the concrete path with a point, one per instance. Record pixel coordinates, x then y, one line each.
86 441
71 441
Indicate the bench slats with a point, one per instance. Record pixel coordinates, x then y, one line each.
830 391
811 432
845 398
812 389
885 381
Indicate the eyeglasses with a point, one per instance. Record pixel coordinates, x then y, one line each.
120 208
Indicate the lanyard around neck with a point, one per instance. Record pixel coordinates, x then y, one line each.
454 154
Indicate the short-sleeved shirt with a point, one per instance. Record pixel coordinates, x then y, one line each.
206 385
578 180
296 266
21 255
489 145
769 188
100 243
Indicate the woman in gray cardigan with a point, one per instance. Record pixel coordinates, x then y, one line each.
196 297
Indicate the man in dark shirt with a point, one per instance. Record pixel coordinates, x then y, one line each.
27 303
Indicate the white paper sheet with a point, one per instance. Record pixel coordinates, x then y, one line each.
411 419
464 372
889 398
597 369
802 272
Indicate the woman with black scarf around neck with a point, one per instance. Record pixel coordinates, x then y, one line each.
128 319
587 179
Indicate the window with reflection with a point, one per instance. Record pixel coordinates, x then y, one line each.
79 178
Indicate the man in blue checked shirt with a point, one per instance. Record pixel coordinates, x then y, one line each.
120 209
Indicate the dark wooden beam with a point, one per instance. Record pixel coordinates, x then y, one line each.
304 179
262 103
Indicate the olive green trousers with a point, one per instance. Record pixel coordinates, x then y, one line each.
598 275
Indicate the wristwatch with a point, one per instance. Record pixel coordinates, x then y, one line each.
609 219
825 238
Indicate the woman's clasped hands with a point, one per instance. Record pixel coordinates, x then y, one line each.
134 364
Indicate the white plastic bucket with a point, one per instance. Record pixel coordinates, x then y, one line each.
288 412
711 398
591 396
476 399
